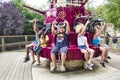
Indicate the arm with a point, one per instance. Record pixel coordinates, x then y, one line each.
34 26
88 49
67 27
84 28
99 32
53 28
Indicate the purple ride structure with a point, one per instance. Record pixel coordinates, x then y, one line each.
70 12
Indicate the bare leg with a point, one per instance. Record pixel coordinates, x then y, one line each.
38 58
106 50
27 53
85 54
103 53
91 55
33 58
63 59
53 57
27 50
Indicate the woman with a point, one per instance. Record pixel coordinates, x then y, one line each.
97 41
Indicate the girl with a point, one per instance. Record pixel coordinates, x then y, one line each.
83 45
97 41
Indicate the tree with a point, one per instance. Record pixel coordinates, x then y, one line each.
29 15
11 19
113 12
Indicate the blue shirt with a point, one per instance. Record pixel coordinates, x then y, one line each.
97 41
62 40
36 39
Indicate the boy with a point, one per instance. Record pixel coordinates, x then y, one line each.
61 44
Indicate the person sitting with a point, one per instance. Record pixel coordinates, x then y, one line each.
99 27
83 44
36 49
27 47
61 44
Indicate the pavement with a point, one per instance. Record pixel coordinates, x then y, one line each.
110 72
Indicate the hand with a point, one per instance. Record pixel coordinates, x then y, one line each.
88 50
88 21
66 21
54 22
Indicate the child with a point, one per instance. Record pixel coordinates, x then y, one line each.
61 44
99 28
83 45
29 46
36 49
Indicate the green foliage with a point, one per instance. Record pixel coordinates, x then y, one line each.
113 12
29 15
110 12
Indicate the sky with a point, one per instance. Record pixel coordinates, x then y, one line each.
40 3
37 3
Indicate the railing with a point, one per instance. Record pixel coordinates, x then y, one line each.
9 41
6 42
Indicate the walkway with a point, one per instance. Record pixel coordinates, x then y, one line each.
12 68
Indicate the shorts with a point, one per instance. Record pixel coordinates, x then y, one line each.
36 50
32 44
62 50
83 47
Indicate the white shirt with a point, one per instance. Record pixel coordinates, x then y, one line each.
81 40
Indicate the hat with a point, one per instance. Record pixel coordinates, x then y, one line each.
61 24
79 27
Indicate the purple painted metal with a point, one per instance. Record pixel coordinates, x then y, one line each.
68 13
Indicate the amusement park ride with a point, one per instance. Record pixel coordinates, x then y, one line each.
73 11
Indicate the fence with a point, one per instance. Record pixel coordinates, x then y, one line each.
19 40
22 40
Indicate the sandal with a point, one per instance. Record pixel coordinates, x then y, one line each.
33 62
52 69
103 65
38 62
62 68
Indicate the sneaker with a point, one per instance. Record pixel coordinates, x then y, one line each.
103 65
109 57
52 69
38 62
89 67
91 64
62 68
26 59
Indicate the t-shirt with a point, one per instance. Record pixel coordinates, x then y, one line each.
41 40
114 40
97 41
81 40
62 40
